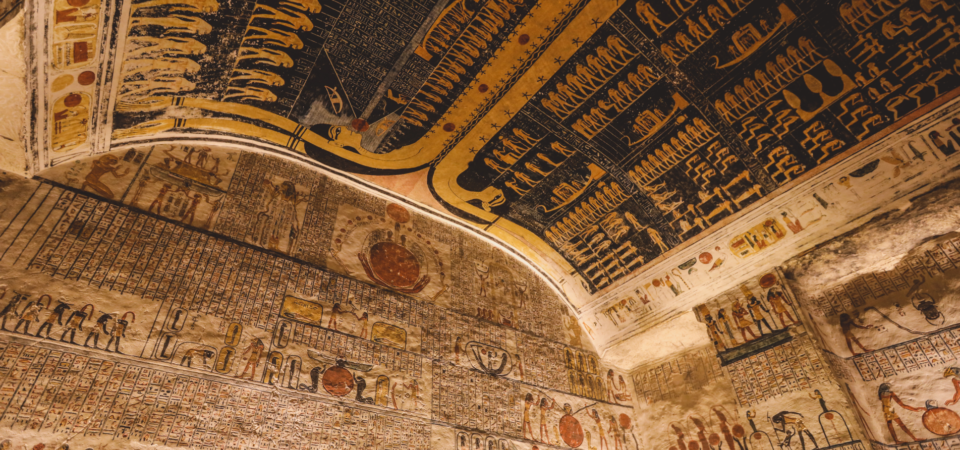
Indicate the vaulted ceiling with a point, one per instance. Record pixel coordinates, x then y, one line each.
596 136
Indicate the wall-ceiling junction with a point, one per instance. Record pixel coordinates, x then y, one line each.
881 178
484 225
598 136
852 343
214 285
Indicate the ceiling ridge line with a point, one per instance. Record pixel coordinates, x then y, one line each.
359 183
942 106
481 111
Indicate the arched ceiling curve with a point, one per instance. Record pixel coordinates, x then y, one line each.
222 204
599 137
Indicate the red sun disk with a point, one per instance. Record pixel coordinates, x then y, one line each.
394 264
706 257
738 431
714 439
570 431
337 381
941 421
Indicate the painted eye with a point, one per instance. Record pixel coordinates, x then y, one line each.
336 133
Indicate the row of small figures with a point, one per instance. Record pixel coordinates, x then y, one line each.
33 310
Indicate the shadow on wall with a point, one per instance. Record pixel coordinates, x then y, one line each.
9 10
884 300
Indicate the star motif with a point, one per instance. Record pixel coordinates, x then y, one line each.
495 126
525 95
483 139
558 60
473 150
507 112
596 23
577 41
541 79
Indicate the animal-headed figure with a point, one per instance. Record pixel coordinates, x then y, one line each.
99 328
75 322
189 355
56 316
120 331
794 420
887 398
31 314
10 311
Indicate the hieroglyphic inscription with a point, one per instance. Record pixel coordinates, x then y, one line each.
790 367
60 392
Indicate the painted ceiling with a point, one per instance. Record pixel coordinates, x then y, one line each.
599 135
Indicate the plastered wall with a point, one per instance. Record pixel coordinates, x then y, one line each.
166 288
884 300
197 296
850 345
760 382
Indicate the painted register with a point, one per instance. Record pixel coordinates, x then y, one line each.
889 324
597 135
915 158
760 383
219 250
851 345
206 297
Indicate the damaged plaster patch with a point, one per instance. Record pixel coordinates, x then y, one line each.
881 243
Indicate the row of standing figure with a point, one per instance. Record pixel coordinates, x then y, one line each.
32 312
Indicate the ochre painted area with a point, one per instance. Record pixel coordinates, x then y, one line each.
481 225
601 136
